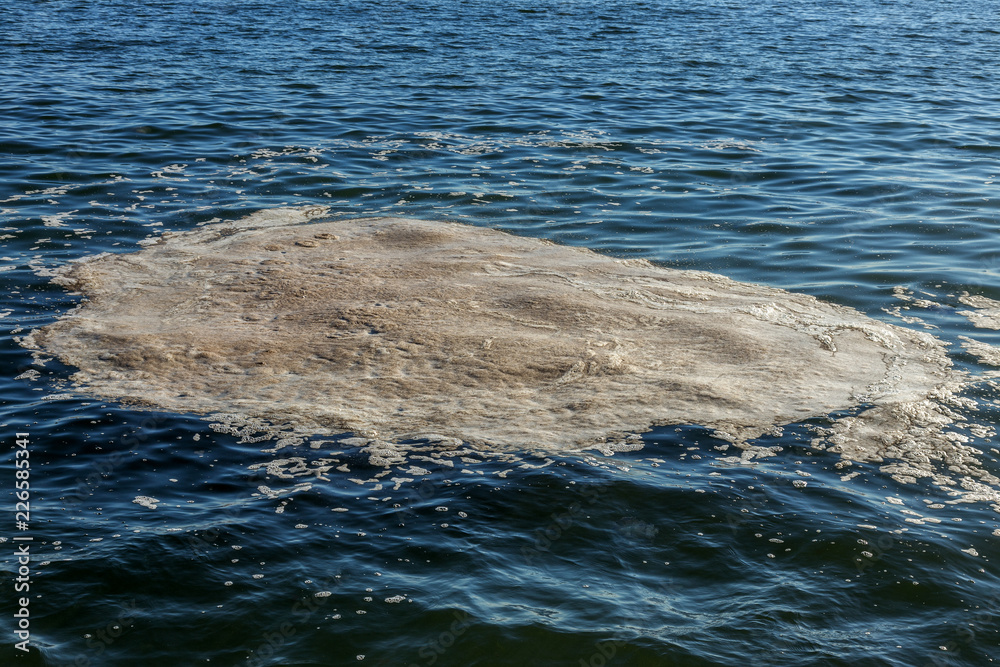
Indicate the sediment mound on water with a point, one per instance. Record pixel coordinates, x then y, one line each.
407 328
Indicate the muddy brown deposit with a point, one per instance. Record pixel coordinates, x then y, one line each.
413 327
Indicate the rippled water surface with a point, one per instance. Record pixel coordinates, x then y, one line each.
837 149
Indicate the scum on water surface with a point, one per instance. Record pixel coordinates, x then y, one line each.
400 330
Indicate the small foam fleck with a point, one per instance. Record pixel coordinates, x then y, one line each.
146 501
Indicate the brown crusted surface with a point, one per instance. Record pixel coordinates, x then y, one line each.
412 327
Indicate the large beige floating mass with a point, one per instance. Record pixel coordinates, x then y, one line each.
410 328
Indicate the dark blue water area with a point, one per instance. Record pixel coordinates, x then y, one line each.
838 149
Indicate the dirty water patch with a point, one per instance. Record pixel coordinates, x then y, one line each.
401 330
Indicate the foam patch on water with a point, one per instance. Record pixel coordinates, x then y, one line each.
986 314
402 330
987 354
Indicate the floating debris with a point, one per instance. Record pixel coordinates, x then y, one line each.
146 501
986 314
400 330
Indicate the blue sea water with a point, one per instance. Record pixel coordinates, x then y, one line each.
839 149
